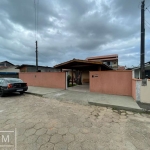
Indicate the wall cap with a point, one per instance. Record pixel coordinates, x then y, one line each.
136 79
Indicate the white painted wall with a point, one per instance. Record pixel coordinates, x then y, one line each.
145 93
10 69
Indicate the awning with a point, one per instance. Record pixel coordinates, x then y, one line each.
78 64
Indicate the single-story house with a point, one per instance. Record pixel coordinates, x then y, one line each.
7 69
6 64
32 68
82 67
137 71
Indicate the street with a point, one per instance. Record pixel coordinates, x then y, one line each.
48 124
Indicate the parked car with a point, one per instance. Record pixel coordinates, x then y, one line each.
10 85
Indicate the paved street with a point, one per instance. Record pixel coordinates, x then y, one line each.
48 124
80 95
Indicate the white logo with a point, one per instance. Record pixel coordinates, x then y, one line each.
6 142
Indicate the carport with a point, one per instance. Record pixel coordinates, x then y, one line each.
83 65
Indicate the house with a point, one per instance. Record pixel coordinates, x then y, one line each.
32 68
7 69
137 71
6 64
81 68
110 60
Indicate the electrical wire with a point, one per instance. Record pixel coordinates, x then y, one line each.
147 9
147 22
147 25
148 6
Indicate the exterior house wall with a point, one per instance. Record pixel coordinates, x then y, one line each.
23 69
9 69
139 92
45 79
33 69
112 63
111 82
137 74
9 72
145 93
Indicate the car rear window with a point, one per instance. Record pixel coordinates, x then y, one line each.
13 80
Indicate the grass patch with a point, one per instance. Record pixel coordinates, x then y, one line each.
70 85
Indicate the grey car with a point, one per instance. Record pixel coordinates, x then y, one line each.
10 85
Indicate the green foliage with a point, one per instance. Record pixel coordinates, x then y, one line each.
68 77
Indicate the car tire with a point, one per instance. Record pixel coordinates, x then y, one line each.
1 93
21 93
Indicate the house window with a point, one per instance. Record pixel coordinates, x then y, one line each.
108 63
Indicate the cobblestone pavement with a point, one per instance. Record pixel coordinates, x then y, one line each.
44 124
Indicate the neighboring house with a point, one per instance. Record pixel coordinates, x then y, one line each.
6 64
137 71
110 60
32 68
7 69
121 68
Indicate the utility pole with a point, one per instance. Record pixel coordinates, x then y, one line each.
36 56
142 58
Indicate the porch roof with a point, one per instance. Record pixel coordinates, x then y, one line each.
82 65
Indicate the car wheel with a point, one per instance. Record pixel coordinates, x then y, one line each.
1 92
21 93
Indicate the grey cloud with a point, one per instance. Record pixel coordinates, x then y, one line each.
70 29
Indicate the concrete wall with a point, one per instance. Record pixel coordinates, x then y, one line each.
136 89
45 79
139 92
111 82
145 93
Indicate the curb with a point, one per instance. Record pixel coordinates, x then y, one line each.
117 107
34 94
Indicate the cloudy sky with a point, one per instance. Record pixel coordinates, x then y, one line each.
70 29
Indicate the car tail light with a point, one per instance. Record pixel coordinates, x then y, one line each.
26 84
9 86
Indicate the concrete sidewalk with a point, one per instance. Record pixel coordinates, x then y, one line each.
86 98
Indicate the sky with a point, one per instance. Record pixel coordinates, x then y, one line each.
68 29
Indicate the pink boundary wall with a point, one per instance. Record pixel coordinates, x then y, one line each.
45 79
111 82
